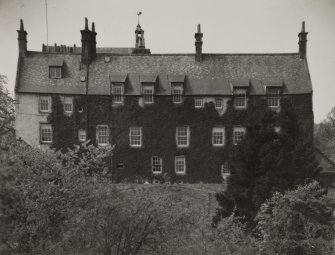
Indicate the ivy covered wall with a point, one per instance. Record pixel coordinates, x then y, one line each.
159 122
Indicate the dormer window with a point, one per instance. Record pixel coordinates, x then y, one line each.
55 68
177 94
118 81
240 98
240 90
148 94
148 82
273 97
118 91
55 72
177 82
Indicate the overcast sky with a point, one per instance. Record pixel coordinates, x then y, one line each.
229 26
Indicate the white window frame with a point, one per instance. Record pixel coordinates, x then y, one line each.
225 171
177 94
181 136
68 104
273 97
218 136
217 104
102 138
156 165
148 98
135 136
198 102
55 72
46 132
118 92
82 135
44 101
240 98
180 163
238 134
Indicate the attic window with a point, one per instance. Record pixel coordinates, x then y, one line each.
117 91
55 72
273 97
148 94
177 94
240 98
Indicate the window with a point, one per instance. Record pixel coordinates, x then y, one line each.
225 171
156 165
218 136
218 103
198 103
46 133
118 93
180 165
82 135
182 136
55 72
68 104
240 98
45 104
273 96
148 94
135 136
177 94
102 135
238 135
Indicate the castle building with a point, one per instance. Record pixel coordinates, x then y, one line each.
175 117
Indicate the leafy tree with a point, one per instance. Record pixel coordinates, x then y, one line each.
325 135
6 108
266 162
297 222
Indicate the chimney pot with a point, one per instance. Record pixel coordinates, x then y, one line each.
86 23
198 44
21 25
302 41
22 40
93 27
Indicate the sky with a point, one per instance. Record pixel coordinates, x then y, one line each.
229 26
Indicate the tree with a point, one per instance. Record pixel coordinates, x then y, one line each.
297 222
325 135
266 162
7 110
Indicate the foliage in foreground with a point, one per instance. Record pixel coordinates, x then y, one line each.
297 222
267 162
53 203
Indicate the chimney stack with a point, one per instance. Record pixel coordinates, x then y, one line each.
302 41
22 39
198 44
88 44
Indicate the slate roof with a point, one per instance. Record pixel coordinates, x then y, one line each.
217 74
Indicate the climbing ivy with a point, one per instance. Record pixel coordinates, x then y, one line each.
158 122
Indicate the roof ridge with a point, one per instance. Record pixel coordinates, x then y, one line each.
171 54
